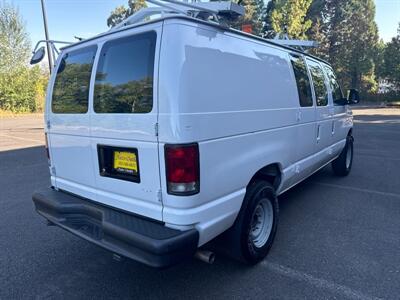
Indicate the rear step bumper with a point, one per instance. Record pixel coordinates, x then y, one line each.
143 240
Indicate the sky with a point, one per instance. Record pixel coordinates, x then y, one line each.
85 18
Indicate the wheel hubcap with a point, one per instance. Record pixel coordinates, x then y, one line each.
261 224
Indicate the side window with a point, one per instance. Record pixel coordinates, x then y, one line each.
337 94
318 78
124 78
71 86
302 80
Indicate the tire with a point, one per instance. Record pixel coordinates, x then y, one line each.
342 165
260 200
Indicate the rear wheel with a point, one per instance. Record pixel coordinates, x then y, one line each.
254 230
342 165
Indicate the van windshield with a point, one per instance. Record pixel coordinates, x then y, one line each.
124 78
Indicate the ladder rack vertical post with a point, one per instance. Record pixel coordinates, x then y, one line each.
46 32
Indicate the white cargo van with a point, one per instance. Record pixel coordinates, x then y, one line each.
163 135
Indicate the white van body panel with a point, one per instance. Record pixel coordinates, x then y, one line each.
243 120
233 95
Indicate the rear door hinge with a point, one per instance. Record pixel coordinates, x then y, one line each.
48 125
156 129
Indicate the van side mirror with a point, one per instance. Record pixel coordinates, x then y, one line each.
353 96
38 56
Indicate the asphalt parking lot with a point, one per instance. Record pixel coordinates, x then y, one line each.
338 238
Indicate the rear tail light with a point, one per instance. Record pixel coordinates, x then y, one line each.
46 145
182 169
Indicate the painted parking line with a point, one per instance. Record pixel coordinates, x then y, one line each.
320 283
21 138
350 188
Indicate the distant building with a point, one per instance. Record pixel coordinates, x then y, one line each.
385 86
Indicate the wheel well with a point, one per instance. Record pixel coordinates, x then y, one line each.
350 132
271 173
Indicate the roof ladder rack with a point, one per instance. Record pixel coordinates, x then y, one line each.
210 11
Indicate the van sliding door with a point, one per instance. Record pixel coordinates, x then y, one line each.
323 110
306 128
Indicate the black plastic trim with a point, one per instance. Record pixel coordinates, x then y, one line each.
140 239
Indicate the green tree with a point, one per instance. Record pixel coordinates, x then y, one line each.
269 31
120 13
320 13
379 59
14 42
21 87
391 60
353 38
289 16
348 38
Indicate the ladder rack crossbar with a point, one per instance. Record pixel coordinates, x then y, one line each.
294 43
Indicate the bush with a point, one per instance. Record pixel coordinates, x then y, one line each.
22 90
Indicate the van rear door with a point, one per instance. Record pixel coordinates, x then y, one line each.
68 123
124 142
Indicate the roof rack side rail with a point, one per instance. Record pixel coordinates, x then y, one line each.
295 43
284 40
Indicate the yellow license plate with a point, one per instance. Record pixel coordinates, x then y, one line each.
125 161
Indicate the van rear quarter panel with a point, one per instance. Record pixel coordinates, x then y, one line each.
238 99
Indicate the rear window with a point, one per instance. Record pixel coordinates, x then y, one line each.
124 78
302 80
318 78
71 86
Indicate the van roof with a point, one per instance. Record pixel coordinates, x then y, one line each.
195 20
